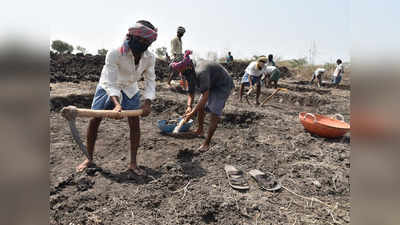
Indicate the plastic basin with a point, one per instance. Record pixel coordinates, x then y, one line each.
168 128
324 126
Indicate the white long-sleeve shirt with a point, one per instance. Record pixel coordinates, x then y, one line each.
338 70
253 70
270 69
319 71
121 74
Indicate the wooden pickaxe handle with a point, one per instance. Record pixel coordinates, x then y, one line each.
73 112
269 97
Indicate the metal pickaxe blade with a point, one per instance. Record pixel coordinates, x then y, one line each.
71 112
77 138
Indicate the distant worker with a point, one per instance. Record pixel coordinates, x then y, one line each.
252 76
318 74
273 74
229 58
271 60
229 61
176 52
337 75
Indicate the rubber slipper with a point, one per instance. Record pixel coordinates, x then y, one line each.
265 181
236 178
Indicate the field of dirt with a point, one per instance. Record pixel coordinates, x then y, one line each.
185 187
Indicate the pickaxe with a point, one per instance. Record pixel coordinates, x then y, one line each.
273 93
71 112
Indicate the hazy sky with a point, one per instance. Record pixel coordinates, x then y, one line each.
285 28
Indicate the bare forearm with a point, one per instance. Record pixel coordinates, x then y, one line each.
190 100
115 100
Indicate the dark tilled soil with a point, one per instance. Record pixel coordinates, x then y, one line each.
185 187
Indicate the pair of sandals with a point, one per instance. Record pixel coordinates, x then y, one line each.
265 181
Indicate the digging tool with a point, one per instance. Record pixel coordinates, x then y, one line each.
269 97
71 112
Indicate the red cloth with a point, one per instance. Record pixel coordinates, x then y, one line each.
141 31
184 64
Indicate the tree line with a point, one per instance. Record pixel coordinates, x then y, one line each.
63 47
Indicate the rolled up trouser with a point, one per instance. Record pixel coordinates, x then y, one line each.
336 79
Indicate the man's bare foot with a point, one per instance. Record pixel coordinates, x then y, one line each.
257 102
83 165
203 148
137 170
199 132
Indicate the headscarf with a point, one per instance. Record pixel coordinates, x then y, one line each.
138 30
184 64
262 59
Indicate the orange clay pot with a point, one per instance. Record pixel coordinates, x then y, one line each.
324 126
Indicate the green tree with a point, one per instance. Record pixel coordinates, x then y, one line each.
81 49
102 51
161 51
61 46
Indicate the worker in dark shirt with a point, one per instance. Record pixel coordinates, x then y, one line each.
215 85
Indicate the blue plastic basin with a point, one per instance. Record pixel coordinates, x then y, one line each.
168 128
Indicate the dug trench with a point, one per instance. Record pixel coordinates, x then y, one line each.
343 86
185 187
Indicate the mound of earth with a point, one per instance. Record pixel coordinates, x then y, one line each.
79 67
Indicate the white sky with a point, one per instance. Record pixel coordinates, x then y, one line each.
284 28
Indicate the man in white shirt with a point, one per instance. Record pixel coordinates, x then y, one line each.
318 74
273 74
118 89
176 44
337 75
252 76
